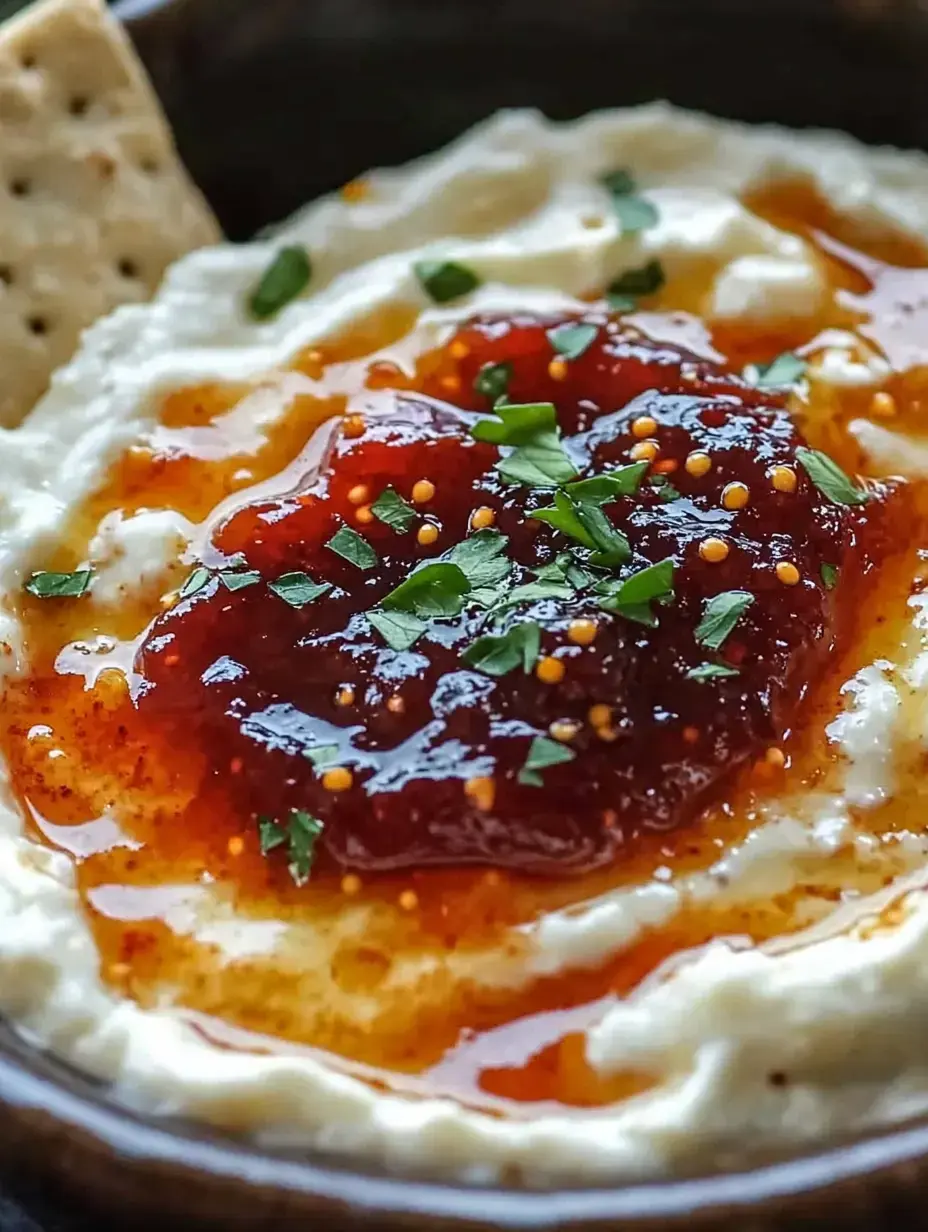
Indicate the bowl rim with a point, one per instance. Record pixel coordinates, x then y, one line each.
197 1156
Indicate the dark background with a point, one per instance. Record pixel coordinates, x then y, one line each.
275 101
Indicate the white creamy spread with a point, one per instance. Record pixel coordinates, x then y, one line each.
518 200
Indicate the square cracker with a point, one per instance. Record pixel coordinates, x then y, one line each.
94 202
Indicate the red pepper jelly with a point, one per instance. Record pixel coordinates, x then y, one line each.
522 637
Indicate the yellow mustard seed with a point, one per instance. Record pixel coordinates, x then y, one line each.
557 369
422 491
550 670
787 572
600 715
698 464
563 730
883 405
409 900
344 695
481 518
459 349
235 845
338 778
735 495
359 494
395 704
582 632
351 884
644 451
427 534
644 425
353 426
481 791
783 479
364 515
713 550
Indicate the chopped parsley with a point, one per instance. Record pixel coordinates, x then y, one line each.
585 522
348 544
480 558
518 422
829 576
393 510
786 369
624 292
543 753
400 630
297 588
195 582
720 615
538 463
711 671
613 484
495 656
633 597
531 592
634 212
435 590
444 281
571 341
238 579
492 381
665 490
322 755
300 834
829 478
283 280
48 585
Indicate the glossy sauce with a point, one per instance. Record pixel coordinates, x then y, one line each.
155 779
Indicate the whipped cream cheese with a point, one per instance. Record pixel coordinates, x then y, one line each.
771 1044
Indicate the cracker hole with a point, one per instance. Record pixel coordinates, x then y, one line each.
20 187
78 105
28 61
6 275
38 326
127 267
150 165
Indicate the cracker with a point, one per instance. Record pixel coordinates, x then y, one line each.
94 202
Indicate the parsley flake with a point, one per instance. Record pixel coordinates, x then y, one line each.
393 510
238 579
195 582
586 522
518 423
480 558
492 381
283 280
348 544
624 292
711 671
444 281
634 212
297 589
539 463
435 590
613 484
400 630
495 656
270 835
829 478
633 597
48 585
720 615
829 576
786 369
543 753
571 341
303 832
322 755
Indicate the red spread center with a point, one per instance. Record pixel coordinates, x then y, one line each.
615 719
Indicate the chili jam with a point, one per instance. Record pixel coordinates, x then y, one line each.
423 754
160 740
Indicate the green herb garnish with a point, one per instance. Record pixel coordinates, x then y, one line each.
829 478
531 592
786 369
633 597
572 340
348 544
303 832
635 213
322 755
196 581
400 630
298 589
711 671
665 490
540 463
492 381
283 280
238 579
270 835
720 615
829 576
480 558
613 484
435 590
518 423
585 522
395 512
47 585
496 656
543 753
624 292
445 280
